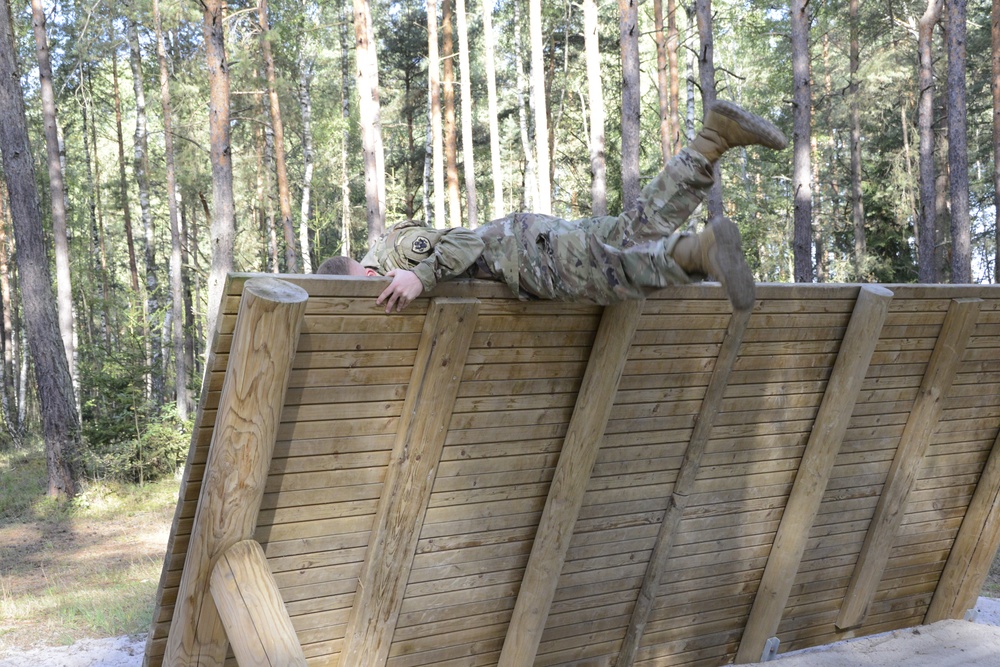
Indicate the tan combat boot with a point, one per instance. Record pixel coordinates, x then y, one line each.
728 125
717 252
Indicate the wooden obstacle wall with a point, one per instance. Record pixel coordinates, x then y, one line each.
483 481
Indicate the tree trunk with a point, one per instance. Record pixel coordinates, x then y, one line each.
434 101
540 105
857 205
60 422
97 214
345 180
223 227
706 75
496 165
8 388
450 123
628 12
595 88
281 169
306 66
141 166
57 191
468 152
675 76
371 123
958 155
801 138
927 223
995 35
181 396
530 196
122 179
663 79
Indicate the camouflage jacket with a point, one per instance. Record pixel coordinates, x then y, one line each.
432 254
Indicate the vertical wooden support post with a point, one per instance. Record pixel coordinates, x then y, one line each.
423 426
817 462
975 546
683 487
253 394
576 462
920 426
252 611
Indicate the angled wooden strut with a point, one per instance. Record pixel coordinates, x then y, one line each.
920 426
683 487
576 462
253 394
423 426
820 454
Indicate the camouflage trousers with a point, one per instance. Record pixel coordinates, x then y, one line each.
603 259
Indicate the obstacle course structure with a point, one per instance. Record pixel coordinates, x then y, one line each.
484 481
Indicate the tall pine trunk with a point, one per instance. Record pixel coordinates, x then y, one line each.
995 60
540 106
468 152
857 204
450 122
927 223
57 191
958 155
434 104
307 65
595 89
530 193
371 122
345 111
663 80
496 165
706 75
122 178
628 11
8 386
60 421
675 77
801 141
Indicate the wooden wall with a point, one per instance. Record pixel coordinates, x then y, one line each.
499 474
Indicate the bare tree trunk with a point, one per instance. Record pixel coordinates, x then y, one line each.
530 198
60 421
371 122
122 179
675 76
8 389
663 79
995 60
307 65
958 156
345 110
468 154
97 212
434 101
691 58
281 168
450 122
496 165
57 193
706 75
927 235
181 395
223 228
628 12
857 205
540 105
595 89
801 137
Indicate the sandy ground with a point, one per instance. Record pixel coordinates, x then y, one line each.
944 644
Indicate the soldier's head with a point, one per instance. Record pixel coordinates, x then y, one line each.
344 266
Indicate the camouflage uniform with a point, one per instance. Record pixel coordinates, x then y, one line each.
602 260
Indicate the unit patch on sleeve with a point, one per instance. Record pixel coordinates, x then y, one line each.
421 245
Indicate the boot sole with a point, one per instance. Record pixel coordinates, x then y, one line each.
770 135
731 266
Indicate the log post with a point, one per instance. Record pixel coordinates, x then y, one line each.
253 394
252 611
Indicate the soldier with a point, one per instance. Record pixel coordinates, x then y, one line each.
601 260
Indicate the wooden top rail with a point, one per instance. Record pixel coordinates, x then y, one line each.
483 481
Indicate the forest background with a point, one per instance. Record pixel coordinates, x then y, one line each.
163 144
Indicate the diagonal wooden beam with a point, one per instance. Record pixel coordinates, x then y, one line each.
576 462
423 426
920 426
253 394
974 548
683 487
817 462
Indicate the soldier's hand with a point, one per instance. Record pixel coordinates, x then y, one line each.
404 288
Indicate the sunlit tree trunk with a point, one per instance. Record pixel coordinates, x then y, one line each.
995 35
371 119
450 122
958 156
857 204
496 165
223 227
628 15
530 197
675 77
434 103
595 90
927 223
60 421
801 138
706 75
306 67
97 214
468 154
181 395
57 190
8 388
663 80
345 111
122 179
540 105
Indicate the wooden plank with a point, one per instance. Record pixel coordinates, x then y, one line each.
683 487
814 470
974 548
430 398
555 527
941 369
264 341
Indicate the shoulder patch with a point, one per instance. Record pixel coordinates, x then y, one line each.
421 245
